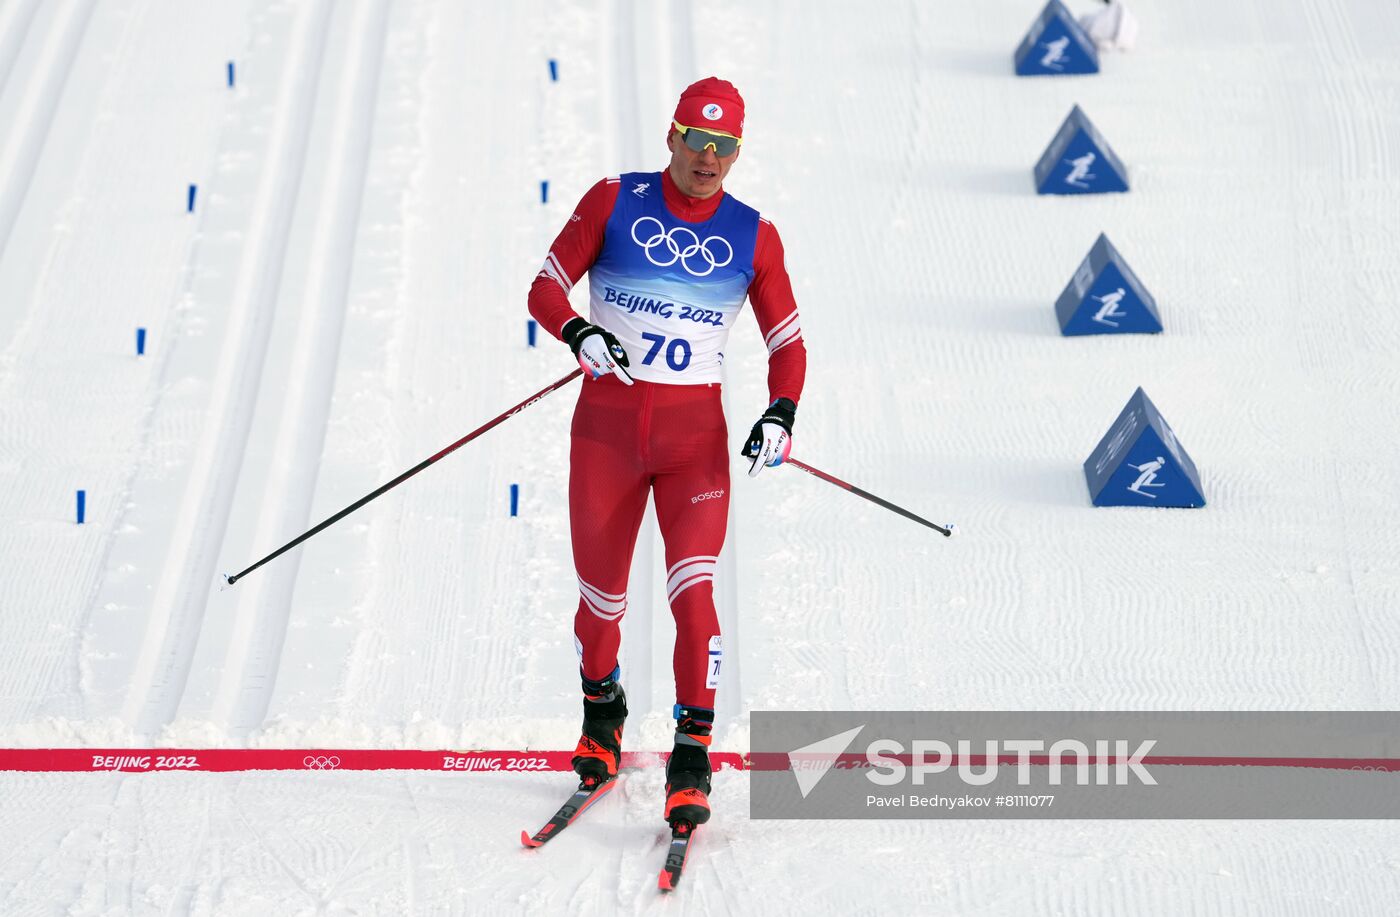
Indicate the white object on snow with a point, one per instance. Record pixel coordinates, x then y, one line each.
1111 28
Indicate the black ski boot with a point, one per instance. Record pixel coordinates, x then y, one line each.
599 751
688 770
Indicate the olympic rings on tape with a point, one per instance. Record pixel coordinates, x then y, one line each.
321 762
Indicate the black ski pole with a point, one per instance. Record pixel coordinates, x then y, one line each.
410 473
831 479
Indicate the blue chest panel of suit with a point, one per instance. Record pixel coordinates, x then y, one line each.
671 290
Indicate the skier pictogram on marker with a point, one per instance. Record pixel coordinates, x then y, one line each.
1140 462
1056 45
1079 160
1079 174
1054 56
1108 307
1105 296
1147 477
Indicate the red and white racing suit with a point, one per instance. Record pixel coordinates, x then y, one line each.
668 275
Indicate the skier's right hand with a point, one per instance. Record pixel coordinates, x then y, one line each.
598 351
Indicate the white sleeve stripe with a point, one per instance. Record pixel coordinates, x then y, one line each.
787 337
548 270
555 271
784 344
559 266
780 326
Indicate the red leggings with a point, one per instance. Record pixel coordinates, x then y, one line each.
670 440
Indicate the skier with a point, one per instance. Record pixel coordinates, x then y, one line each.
670 258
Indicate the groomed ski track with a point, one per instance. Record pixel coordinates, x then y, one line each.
348 297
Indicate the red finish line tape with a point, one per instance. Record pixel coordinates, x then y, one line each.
140 760
779 761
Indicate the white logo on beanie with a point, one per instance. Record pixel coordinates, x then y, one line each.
712 112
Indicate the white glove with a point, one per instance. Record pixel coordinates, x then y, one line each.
770 440
598 351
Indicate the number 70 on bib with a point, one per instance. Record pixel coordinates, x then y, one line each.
677 351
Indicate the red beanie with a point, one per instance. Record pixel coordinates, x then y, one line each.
712 104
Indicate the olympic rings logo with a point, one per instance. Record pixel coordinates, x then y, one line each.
682 253
321 762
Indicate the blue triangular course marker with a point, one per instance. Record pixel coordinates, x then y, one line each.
1056 44
1106 297
1079 161
1140 463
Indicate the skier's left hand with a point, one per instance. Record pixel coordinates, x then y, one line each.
770 440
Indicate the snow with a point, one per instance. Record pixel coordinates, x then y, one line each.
348 298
